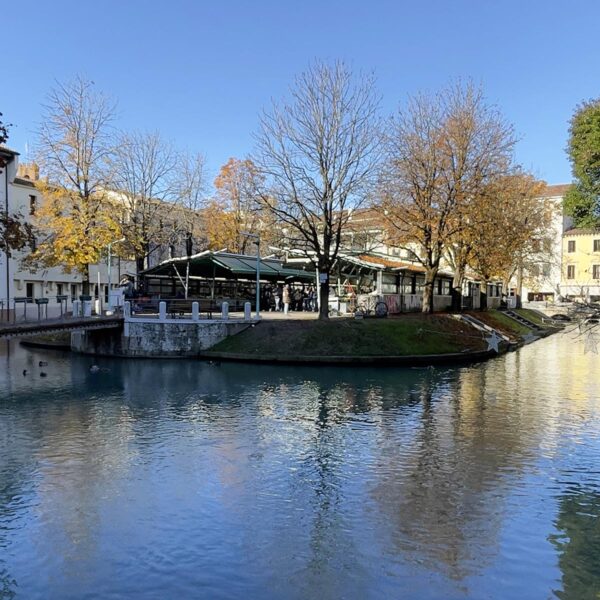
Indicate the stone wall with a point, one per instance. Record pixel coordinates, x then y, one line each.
155 339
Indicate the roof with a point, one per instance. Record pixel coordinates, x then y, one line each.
375 261
559 189
5 150
208 264
583 231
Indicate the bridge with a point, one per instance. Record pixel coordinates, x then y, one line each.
41 327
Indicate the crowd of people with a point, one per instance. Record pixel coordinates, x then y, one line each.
285 298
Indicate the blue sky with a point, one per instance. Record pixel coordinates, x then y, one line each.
200 72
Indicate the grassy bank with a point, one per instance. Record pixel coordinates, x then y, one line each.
405 335
502 322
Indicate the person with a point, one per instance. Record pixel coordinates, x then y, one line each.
279 298
297 299
286 299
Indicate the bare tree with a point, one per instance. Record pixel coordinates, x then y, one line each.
75 144
145 177
191 200
441 153
318 154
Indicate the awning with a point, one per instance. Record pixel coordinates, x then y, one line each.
224 265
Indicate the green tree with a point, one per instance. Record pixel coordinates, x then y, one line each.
582 202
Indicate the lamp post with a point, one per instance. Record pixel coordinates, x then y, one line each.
109 267
257 242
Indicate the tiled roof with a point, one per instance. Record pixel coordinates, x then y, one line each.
559 189
582 231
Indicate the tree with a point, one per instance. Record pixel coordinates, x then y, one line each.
513 231
237 186
442 151
75 145
191 200
318 154
582 201
145 177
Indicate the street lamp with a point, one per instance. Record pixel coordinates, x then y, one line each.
257 242
109 266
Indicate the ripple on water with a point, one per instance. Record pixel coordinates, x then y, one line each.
174 478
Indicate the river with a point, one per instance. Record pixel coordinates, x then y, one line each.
182 479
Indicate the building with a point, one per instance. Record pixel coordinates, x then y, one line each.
20 285
543 273
581 265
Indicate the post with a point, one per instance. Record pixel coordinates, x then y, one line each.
247 311
162 311
195 311
108 269
225 311
257 277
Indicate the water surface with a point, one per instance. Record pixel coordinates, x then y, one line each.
166 479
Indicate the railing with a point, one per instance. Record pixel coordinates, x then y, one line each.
180 311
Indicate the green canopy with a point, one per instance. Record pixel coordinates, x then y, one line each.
223 265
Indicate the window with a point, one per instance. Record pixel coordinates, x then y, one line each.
596 245
571 271
73 291
59 289
596 271
32 201
29 290
571 246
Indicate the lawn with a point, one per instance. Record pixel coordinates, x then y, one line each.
404 335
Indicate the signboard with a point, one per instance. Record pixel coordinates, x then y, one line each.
322 277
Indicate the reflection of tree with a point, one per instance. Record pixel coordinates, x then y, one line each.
578 545
443 486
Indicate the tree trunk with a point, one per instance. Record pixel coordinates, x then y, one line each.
519 285
483 295
324 298
85 280
428 290
457 283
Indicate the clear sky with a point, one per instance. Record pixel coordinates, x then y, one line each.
201 71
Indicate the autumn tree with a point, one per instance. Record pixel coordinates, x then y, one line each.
145 180
442 150
75 222
236 187
582 201
318 153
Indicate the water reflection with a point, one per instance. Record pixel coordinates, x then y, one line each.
157 478
578 544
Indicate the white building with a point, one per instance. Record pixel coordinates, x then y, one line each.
543 281
19 196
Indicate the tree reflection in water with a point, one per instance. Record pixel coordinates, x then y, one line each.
578 544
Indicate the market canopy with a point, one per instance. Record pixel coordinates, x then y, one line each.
223 265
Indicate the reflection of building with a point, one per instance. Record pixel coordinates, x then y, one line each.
581 264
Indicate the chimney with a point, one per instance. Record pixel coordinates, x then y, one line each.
29 171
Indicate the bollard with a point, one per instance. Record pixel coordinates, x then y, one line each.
225 310
162 311
195 311
127 310
76 308
247 311
87 308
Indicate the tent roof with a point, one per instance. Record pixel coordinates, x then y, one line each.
210 264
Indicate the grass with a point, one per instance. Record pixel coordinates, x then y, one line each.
397 336
532 315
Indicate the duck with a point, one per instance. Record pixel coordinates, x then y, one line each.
94 369
42 363
42 374
24 372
